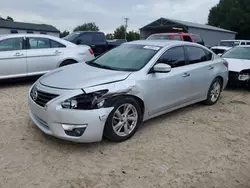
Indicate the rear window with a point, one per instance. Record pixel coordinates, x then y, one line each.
229 43
159 37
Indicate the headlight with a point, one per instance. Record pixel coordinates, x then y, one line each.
86 101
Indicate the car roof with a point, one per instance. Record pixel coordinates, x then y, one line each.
7 36
235 40
161 43
173 34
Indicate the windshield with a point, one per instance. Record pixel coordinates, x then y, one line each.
127 57
229 43
71 36
238 53
159 37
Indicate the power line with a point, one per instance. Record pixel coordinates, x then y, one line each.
126 26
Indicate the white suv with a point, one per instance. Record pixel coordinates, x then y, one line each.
24 55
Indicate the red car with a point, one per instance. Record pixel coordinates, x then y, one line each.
189 37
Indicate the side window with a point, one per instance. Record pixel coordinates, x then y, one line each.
248 43
243 43
196 55
86 38
55 44
98 37
176 37
175 57
11 44
38 43
187 38
209 56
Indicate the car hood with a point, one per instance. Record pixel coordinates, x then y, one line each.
81 75
237 65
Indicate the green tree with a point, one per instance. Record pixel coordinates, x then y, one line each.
9 19
109 36
64 34
133 35
119 33
87 27
232 15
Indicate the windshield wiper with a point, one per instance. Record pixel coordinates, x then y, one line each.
92 63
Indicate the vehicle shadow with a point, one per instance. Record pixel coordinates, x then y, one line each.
6 83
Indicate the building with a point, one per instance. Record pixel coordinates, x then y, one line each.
8 27
211 35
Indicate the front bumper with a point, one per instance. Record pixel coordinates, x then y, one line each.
52 120
235 78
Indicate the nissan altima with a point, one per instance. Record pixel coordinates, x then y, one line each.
113 94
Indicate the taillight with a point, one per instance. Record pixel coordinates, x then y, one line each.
226 64
91 51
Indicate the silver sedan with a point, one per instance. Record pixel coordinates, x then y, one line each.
24 55
113 94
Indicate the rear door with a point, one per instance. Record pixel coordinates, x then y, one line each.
43 55
202 70
12 58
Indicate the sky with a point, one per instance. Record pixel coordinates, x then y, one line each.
107 14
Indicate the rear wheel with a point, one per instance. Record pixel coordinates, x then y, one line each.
123 121
214 92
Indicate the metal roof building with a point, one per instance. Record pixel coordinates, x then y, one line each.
7 27
211 35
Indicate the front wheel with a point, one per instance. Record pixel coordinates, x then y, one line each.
123 121
214 92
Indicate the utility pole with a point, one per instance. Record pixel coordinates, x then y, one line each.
126 26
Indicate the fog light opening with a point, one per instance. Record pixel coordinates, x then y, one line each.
74 130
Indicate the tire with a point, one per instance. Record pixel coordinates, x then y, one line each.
115 123
214 92
67 62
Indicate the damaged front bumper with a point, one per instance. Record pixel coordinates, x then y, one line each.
239 78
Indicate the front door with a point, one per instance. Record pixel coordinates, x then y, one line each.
12 58
41 57
168 90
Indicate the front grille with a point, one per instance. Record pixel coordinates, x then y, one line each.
43 98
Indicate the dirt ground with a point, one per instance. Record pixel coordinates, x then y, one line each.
198 146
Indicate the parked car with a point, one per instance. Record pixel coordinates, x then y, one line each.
238 59
226 45
188 37
112 94
96 40
24 55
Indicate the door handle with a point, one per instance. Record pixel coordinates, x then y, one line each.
210 68
18 54
186 75
57 52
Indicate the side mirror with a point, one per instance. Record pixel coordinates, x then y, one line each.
219 54
161 68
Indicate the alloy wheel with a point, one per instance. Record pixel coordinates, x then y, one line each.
124 119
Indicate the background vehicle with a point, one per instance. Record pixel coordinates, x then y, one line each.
96 40
188 37
238 59
112 94
24 55
226 45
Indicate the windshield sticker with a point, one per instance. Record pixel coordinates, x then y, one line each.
152 48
